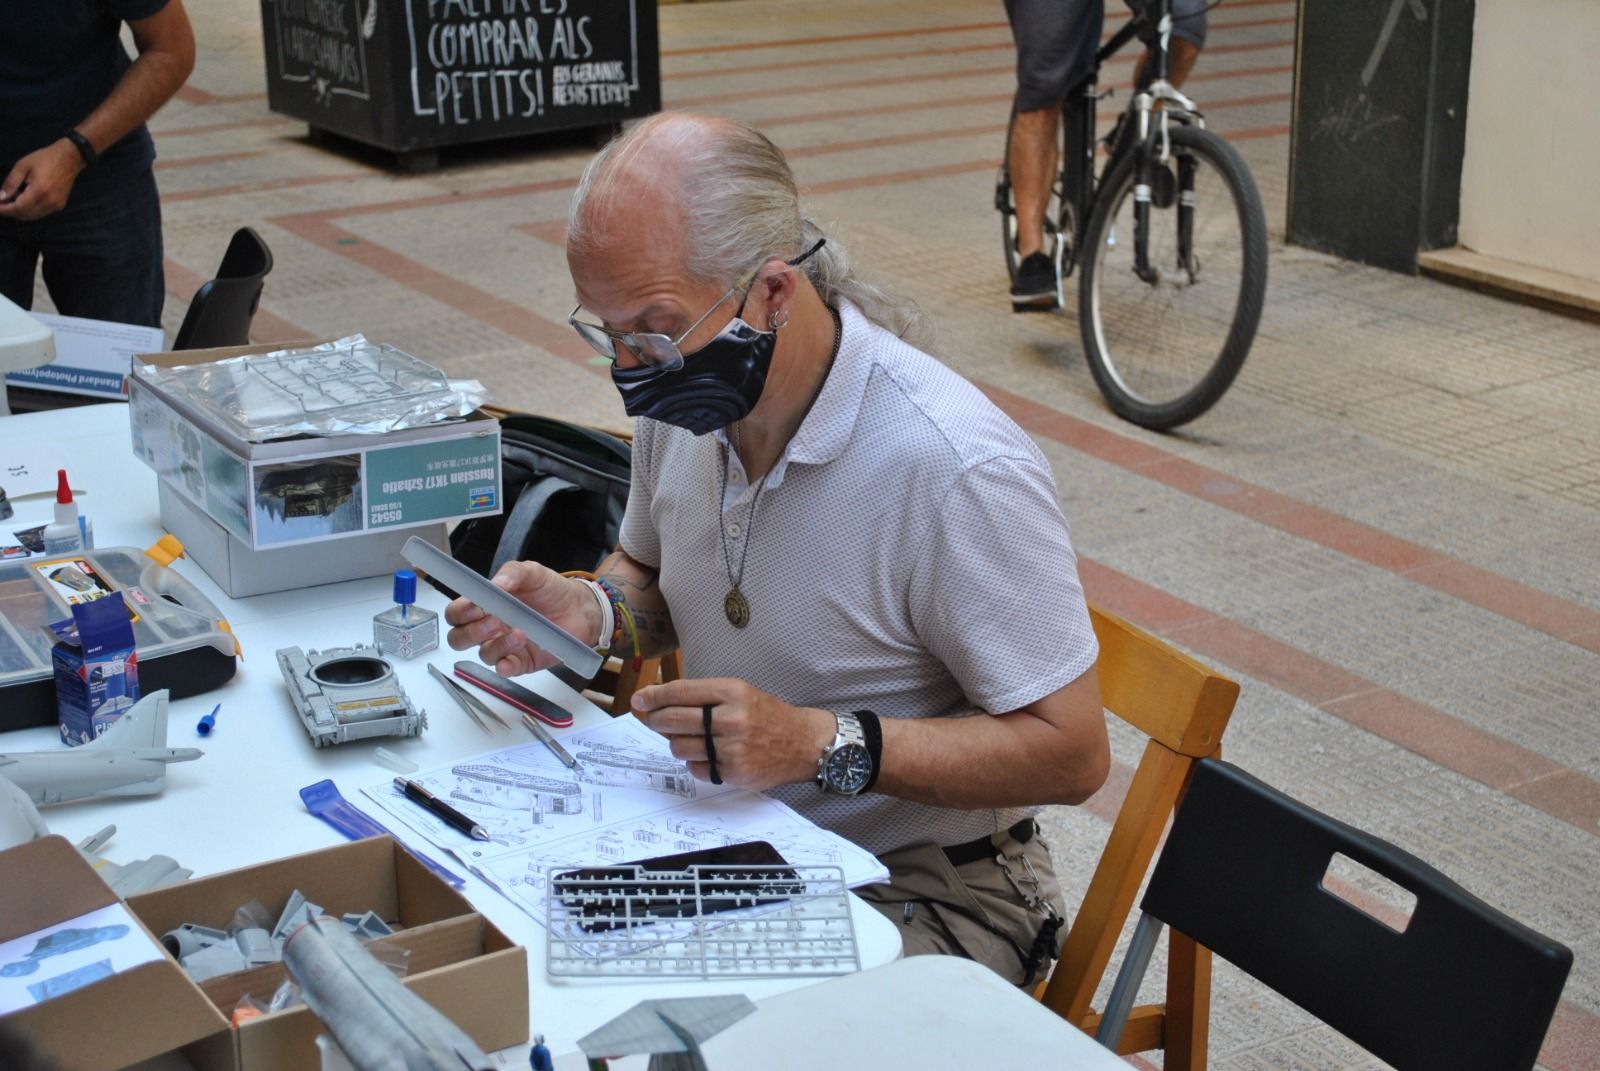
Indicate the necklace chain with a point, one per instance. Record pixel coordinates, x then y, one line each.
734 605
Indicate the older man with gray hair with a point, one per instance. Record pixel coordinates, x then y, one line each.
861 558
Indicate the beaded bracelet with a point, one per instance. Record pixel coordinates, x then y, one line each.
625 621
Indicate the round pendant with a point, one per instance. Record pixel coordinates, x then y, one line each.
736 608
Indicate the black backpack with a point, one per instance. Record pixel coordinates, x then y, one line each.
565 487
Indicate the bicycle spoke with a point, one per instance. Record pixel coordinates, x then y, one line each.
1162 338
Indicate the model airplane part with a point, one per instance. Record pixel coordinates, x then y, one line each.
669 1030
348 693
128 759
19 818
379 1023
512 612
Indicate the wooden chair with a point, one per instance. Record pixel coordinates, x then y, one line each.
1183 707
618 680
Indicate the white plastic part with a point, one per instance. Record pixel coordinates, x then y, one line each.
398 763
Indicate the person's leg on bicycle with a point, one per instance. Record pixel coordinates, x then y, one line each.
1188 39
1056 40
1183 49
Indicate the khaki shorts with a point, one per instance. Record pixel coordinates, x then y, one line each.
973 910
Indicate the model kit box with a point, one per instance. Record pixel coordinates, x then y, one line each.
458 961
99 992
96 666
314 508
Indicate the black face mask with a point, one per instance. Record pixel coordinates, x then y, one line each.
718 384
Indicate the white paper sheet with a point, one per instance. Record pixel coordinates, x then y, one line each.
71 954
632 800
92 356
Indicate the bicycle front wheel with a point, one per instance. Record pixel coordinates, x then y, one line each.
1164 347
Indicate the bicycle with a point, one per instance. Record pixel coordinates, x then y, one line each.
1168 318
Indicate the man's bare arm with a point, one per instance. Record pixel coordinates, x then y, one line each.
165 42
41 182
1051 751
638 585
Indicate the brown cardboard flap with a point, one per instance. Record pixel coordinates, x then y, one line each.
356 877
431 945
44 882
128 1017
185 358
484 993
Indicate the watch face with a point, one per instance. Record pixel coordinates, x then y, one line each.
849 768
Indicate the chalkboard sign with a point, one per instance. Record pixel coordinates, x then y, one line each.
411 75
1379 127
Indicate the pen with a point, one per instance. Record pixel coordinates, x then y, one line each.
438 807
550 742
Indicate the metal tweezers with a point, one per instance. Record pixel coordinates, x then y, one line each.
470 703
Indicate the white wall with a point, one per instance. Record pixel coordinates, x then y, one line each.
1530 183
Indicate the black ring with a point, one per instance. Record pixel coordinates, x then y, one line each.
711 747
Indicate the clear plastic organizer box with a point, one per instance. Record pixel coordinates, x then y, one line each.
183 642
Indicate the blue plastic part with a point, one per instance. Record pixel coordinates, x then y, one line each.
208 722
323 800
405 587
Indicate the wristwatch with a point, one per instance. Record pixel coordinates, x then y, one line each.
846 766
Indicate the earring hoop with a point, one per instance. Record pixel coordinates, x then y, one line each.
777 321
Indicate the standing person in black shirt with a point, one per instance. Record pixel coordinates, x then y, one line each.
78 189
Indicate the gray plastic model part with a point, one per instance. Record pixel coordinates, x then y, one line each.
214 960
377 1021
256 946
669 1030
296 911
128 759
188 939
368 926
348 693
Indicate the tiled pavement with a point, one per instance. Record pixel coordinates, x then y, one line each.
1388 530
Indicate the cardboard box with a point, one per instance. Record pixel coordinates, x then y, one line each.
240 571
459 961
290 513
96 667
117 1021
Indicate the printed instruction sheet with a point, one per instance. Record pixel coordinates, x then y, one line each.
71 954
629 799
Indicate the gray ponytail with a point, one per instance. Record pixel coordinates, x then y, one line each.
740 206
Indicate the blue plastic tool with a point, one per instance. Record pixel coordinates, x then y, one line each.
208 722
323 800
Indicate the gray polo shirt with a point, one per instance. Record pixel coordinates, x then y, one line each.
908 556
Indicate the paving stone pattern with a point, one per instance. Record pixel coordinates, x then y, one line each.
1388 529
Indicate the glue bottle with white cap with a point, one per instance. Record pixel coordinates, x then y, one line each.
65 534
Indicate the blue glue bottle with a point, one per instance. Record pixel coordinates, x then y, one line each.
405 629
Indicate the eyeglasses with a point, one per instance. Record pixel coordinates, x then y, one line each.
653 348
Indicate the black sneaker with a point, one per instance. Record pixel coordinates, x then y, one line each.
1036 286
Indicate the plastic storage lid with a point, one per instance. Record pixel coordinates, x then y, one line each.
348 387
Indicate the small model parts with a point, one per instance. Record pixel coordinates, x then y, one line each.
348 693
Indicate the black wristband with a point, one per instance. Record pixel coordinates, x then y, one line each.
85 150
872 733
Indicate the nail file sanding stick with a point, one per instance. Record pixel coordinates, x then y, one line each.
540 630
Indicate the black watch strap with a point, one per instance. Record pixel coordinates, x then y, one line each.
85 150
872 733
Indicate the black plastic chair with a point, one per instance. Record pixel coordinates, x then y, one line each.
1463 987
222 309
